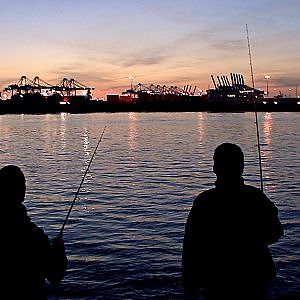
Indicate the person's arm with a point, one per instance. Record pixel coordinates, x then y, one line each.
58 262
188 259
273 228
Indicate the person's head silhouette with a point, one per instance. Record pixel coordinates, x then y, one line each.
12 185
228 162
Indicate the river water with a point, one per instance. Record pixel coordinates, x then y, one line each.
124 235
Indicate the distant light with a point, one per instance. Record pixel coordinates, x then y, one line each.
267 77
264 102
64 102
4 97
298 102
275 102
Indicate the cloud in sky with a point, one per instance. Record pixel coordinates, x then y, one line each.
5 81
144 59
230 45
286 81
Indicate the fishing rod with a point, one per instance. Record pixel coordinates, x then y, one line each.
82 180
255 110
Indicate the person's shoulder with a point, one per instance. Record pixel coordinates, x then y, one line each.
38 233
252 189
204 197
257 194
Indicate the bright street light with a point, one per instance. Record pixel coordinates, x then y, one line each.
267 77
131 81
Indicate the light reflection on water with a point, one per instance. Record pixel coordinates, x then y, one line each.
124 235
201 127
132 134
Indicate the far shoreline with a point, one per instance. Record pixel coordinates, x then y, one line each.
185 105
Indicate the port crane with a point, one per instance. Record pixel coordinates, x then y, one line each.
163 89
67 87
232 90
70 87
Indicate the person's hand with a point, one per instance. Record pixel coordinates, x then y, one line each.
58 240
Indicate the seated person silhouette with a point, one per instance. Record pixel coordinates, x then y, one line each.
228 230
28 258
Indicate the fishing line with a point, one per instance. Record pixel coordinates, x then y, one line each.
82 180
255 110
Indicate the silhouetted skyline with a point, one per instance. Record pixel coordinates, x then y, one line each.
103 43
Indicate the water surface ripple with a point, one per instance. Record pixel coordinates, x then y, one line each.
124 236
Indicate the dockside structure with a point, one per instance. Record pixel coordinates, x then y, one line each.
233 91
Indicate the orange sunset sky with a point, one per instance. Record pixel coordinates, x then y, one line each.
102 43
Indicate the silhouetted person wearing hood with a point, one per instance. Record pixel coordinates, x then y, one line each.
27 256
225 249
